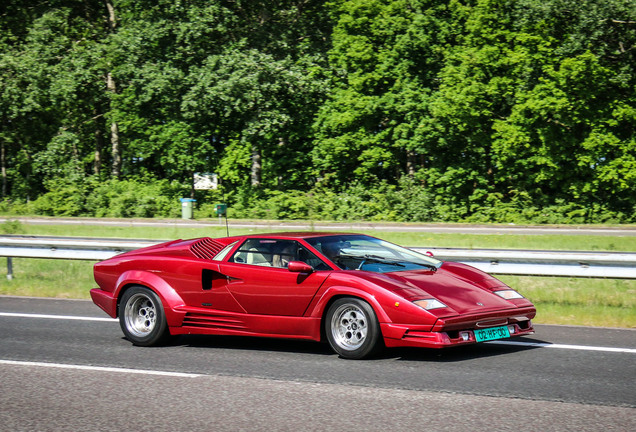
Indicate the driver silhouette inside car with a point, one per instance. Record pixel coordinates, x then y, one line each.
333 250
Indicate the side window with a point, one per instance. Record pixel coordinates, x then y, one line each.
308 257
275 253
255 252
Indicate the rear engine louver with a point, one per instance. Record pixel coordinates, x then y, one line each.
206 248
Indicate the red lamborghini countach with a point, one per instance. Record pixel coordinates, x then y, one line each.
357 292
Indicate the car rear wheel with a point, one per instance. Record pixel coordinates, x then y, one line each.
142 318
352 328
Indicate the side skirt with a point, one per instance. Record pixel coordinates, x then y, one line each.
213 322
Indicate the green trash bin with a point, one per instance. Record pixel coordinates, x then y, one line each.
220 209
187 208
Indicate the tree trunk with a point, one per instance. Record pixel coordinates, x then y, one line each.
256 167
112 20
410 163
29 167
115 153
3 163
99 145
112 88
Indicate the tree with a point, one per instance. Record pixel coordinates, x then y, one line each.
385 59
260 107
570 134
48 87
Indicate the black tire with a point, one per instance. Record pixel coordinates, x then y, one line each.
142 318
352 328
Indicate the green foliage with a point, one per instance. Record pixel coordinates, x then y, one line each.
385 58
11 227
112 198
135 198
63 199
409 201
406 110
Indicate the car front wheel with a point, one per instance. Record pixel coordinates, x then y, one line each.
352 328
141 317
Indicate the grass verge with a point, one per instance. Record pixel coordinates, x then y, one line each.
48 278
474 241
579 301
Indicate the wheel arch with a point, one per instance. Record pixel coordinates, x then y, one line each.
352 328
338 292
167 294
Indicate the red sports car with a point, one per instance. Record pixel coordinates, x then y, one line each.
357 292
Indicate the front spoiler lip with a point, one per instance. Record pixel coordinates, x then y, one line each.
443 339
466 322
446 331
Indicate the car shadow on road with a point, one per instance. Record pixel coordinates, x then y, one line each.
252 344
463 353
454 354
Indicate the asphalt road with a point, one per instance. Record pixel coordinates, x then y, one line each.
336 226
65 366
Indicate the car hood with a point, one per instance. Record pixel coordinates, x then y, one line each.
462 288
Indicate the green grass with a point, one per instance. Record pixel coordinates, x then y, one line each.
579 301
576 301
48 278
425 239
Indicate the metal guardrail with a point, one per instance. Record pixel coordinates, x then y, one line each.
614 265
91 249
75 248
619 265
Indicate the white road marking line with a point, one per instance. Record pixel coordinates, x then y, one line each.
61 317
501 342
101 369
563 346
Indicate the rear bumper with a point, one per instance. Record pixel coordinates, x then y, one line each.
447 336
105 301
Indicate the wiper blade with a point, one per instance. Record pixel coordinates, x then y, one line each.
378 258
433 267
373 258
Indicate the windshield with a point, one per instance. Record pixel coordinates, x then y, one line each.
360 252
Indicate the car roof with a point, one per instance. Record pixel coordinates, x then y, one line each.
294 235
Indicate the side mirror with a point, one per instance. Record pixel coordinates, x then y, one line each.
299 267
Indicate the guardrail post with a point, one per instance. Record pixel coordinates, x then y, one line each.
9 268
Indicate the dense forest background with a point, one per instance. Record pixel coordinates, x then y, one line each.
403 110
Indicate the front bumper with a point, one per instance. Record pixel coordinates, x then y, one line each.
455 331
